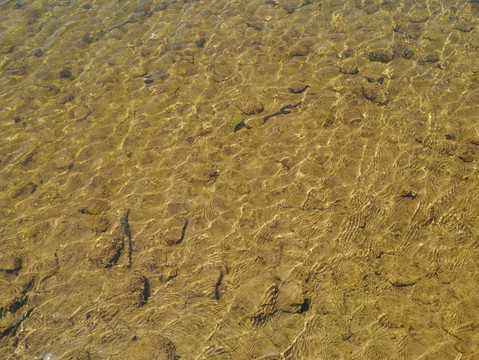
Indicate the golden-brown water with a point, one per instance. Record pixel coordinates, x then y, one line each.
339 220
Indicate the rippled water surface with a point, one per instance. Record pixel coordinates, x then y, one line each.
259 179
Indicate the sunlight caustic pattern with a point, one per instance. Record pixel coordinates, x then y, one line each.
338 220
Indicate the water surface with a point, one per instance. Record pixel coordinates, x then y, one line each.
339 220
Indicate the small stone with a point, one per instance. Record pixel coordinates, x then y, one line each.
66 74
6 48
23 190
18 71
106 252
412 31
349 67
89 39
175 232
382 55
204 14
95 207
346 54
291 297
10 262
431 57
200 42
20 4
98 224
299 51
12 298
250 106
346 335
463 26
302 48
375 93
418 15
444 65
169 274
222 72
408 53
321 50
160 6
138 289
291 5
68 99
469 152
38 53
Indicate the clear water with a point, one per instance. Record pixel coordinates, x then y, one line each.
338 220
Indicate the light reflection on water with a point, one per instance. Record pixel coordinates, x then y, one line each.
338 220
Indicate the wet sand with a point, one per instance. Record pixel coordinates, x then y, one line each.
239 179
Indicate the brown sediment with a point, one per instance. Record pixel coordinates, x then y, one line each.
338 221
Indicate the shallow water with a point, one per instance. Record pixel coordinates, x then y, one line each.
339 220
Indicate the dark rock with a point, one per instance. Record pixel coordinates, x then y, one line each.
106 252
375 93
382 55
89 39
86 7
20 4
66 74
175 232
291 297
17 119
138 289
200 42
